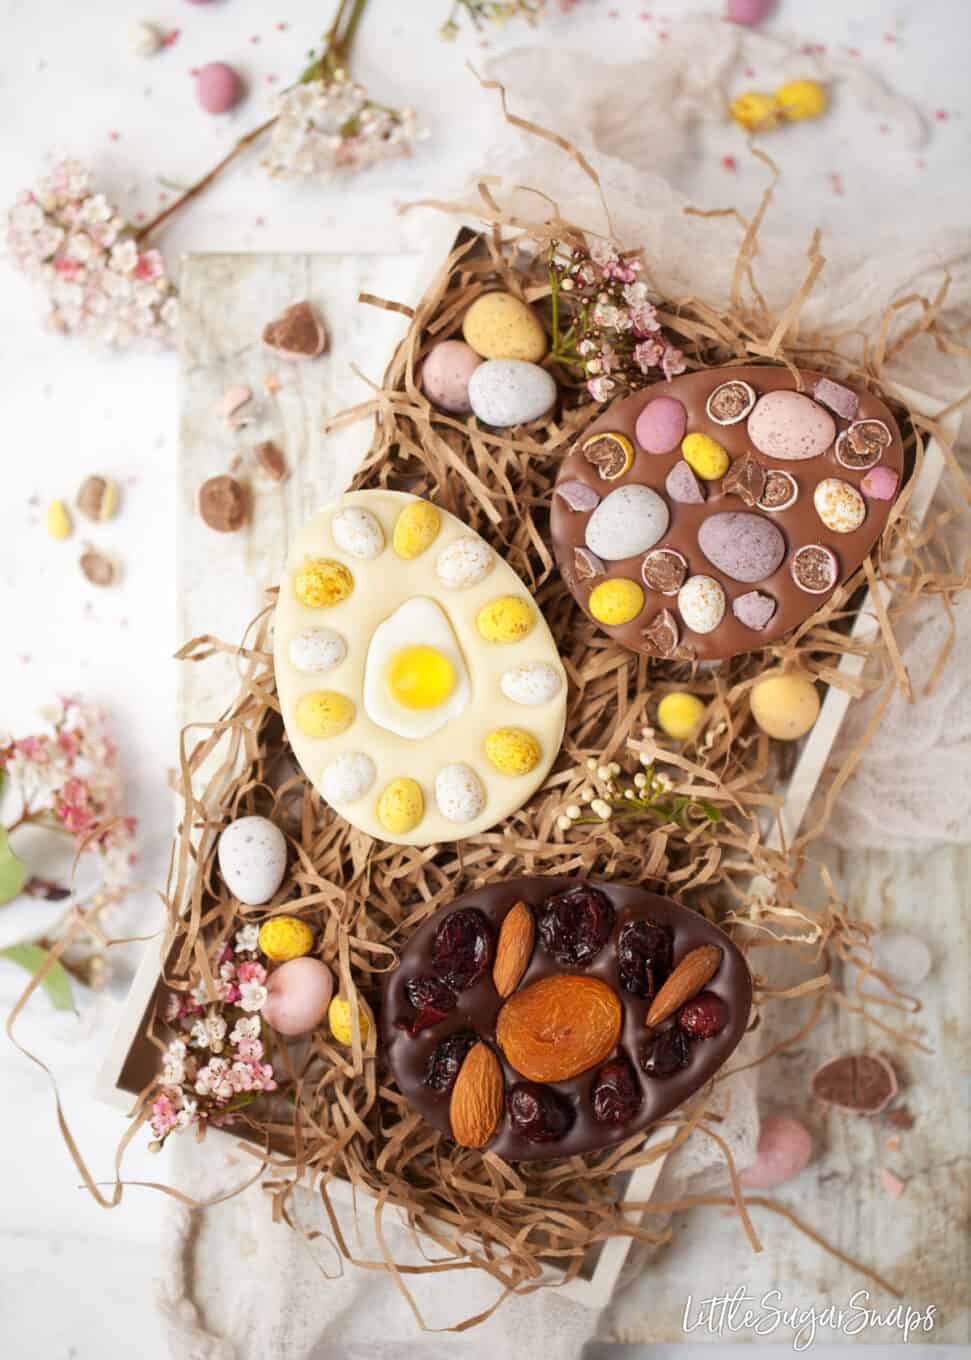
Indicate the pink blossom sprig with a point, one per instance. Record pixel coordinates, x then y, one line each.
93 277
481 13
213 1066
605 325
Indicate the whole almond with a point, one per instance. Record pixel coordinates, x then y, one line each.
692 973
476 1105
514 949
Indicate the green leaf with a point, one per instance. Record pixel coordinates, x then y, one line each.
56 982
712 812
13 871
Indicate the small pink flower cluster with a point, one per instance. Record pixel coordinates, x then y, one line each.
94 278
67 778
329 128
214 1065
612 333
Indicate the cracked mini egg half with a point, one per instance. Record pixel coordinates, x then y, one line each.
420 686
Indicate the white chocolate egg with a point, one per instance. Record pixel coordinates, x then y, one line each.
415 680
701 602
627 522
358 532
531 684
252 858
347 778
316 649
459 793
465 562
839 505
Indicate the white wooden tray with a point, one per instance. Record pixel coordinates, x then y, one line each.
221 584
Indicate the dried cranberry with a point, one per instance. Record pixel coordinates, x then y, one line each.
665 1052
643 957
575 925
443 1066
616 1093
704 1016
432 1001
463 946
538 1113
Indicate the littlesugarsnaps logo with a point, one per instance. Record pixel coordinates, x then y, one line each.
723 1314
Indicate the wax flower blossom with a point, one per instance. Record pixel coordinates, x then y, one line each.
93 277
214 1066
610 795
483 12
324 130
604 323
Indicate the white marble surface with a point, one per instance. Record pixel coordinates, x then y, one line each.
68 82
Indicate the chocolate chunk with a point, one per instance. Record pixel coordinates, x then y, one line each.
900 1117
814 568
662 634
99 568
862 445
731 402
610 454
779 492
587 565
223 504
297 334
271 460
745 479
863 1083
841 400
664 570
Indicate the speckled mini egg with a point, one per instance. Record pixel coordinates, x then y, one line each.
627 522
683 486
532 684
465 562
445 373
316 649
705 456
512 751
839 505
218 87
701 603
791 426
745 547
321 582
508 618
660 426
784 1149
401 806
324 713
616 601
416 529
507 392
358 532
785 705
347 778
459 793
285 937
252 858
298 994
501 326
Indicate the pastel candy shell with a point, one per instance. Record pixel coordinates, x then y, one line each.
790 426
784 1149
661 425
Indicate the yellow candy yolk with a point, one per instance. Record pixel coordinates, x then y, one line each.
420 677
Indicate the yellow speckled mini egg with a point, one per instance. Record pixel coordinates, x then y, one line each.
401 806
500 326
512 750
705 455
785 706
324 713
616 601
416 529
801 99
339 1019
679 713
756 111
285 937
505 619
321 582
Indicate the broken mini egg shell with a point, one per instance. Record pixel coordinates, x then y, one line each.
421 688
252 858
298 994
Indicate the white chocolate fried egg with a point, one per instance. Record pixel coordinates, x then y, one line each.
415 679
420 686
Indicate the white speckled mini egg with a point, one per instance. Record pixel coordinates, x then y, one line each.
465 562
347 778
505 392
316 649
252 859
701 601
839 505
627 522
459 793
358 532
532 684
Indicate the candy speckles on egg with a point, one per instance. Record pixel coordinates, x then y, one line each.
701 601
387 708
512 750
321 583
660 426
791 426
705 455
315 650
445 374
839 505
416 529
507 392
626 522
501 326
252 856
745 547
358 532
616 601
285 937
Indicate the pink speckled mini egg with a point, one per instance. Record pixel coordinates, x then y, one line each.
299 994
791 426
748 12
784 1149
445 375
218 87
661 425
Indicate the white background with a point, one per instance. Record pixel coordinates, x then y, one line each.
77 1281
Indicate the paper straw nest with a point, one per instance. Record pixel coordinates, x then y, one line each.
337 1113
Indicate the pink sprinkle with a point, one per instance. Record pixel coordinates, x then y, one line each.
884 128
25 658
647 17
663 34
271 79
255 38
114 136
749 73
920 163
163 198
139 217
836 182
193 71
854 51
282 27
893 1185
171 37
729 162
261 221
942 115
613 14
889 37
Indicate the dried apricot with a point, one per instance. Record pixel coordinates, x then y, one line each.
558 1027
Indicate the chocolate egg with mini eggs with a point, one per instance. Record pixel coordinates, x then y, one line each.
420 686
753 492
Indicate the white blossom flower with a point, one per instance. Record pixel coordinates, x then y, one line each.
247 939
252 996
246 1027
